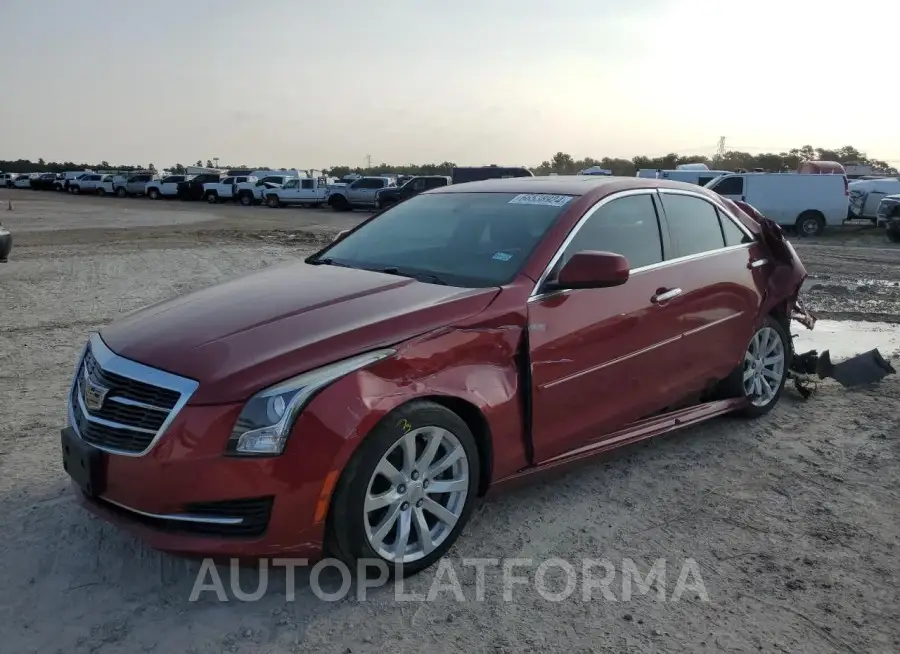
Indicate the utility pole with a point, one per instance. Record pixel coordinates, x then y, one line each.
720 150
368 161
216 161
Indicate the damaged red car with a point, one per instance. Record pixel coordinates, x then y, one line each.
358 403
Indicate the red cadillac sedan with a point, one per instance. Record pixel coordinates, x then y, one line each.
358 403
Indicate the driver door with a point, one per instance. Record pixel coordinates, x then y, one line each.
598 356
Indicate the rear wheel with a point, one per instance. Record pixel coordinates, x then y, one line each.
121 192
153 194
810 223
407 492
212 198
76 190
339 203
893 235
246 199
100 191
761 376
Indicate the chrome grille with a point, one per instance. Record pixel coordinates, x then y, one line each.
122 406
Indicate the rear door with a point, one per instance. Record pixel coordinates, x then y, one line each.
720 273
600 357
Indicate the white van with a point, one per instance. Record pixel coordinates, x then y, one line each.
698 177
806 202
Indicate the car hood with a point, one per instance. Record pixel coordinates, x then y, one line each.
246 334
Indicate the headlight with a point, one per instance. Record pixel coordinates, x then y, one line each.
266 420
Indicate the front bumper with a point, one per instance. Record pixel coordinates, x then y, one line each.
184 494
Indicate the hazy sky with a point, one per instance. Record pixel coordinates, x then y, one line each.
311 84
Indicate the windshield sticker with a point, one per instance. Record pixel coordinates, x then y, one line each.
502 256
542 199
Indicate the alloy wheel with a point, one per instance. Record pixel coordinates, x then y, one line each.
763 369
416 495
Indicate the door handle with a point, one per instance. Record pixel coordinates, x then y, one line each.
758 263
664 295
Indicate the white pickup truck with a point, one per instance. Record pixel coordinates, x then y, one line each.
89 183
254 192
108 184
305 192
166 187
226 188
359 194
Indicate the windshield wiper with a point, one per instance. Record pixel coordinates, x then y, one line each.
434 279
328 261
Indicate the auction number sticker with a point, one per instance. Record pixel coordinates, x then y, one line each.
542 199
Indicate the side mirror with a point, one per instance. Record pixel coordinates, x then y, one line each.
592 269
341 234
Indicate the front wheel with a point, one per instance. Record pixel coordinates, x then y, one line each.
246 199
407 492
894 235
121 192
153 194
212 198
273 201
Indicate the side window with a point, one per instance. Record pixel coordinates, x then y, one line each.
292 183
307 184
693 224
228 180
628 226
733 234
729 186
418 185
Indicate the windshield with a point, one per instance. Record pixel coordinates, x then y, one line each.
462 239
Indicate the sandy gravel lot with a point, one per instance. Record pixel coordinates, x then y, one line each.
792 520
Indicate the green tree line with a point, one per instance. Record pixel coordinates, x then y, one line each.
561 163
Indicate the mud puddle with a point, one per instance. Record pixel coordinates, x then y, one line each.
846 338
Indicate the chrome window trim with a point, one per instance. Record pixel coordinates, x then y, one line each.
111 362
535 295
180 517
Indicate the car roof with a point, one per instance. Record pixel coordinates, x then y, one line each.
596 185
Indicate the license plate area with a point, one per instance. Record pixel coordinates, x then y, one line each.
85 464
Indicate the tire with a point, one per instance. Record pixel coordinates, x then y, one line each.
246 199
273 202
153 194
893 235
212 198
76 190
744 382
810 223
352 531
101 192
339 203
121 192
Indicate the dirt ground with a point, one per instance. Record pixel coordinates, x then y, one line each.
792 519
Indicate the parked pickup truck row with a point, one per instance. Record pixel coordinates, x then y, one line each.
248 187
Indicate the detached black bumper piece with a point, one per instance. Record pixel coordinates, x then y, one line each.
860 370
